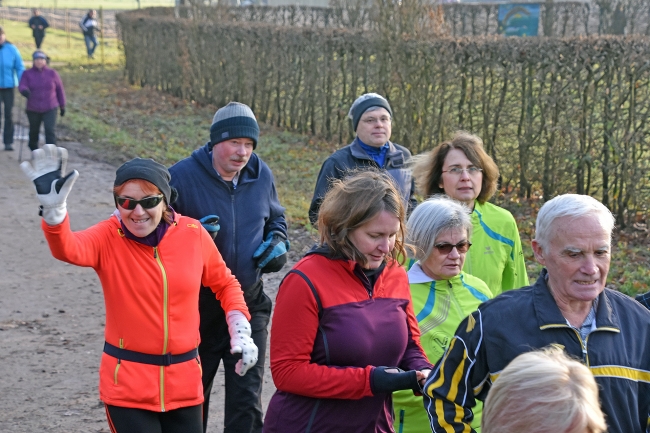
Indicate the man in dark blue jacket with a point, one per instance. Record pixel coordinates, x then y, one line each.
225 178
568 307
38 24
372 119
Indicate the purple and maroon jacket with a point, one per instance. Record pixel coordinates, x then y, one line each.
321 366
45 87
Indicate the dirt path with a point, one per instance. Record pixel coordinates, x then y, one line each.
52 313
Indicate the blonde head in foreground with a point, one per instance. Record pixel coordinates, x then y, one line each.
542 392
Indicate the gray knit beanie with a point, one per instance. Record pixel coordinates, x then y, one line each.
235 120
363 103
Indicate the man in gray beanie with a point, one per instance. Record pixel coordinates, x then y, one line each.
371 118
225 179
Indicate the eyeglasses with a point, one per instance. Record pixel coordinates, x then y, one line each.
446 247
457 171
146 203
371 120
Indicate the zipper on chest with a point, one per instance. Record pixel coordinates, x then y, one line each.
165 314
454 301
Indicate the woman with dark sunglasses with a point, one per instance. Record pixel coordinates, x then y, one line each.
151 262
461 169
443 295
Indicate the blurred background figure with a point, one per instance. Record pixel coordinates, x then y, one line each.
443 295
344 336
11 70
544 391
461 169
38 24
89 27
644 299
45 95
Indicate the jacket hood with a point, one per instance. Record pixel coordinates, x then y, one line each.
327 252
203 156
416 276
393 152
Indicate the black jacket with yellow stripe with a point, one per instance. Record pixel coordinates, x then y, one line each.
617 351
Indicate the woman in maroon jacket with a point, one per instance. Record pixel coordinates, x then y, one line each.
344 335
43 89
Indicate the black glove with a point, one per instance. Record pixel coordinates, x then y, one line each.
383 381
25 93
271 255
62 111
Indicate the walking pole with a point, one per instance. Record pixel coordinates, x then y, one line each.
20 145
21 133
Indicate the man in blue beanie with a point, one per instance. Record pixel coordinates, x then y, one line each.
226 182
371 118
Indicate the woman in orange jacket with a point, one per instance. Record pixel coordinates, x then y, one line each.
151 262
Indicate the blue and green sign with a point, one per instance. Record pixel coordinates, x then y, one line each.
518 19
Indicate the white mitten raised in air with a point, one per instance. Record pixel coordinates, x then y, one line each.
52 188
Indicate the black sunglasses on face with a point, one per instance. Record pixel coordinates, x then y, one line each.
146 203
446 247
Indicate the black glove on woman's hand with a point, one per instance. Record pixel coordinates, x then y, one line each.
62 111
390 379
25 93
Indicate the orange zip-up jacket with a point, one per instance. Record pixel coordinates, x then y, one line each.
152 305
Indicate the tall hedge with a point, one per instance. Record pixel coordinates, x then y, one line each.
558 115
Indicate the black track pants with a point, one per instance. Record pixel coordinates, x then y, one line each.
128 420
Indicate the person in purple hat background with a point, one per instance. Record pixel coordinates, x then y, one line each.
45 95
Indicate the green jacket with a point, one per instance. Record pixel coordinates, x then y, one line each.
439 306
496 256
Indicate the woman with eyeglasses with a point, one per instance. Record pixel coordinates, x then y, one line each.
439 232
461 169
151 262
344 335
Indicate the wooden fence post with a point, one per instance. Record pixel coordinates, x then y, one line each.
67 26
101 32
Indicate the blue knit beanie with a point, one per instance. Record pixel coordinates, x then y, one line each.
235 120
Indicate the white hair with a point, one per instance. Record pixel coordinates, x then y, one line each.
362 98
432 217
543 391
572 206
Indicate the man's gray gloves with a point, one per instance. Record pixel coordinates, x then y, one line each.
271 255
52 188
391 379
241 341
211 224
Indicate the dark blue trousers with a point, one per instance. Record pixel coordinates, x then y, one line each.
243 406
7 99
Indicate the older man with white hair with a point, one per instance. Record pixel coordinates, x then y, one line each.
568 307
371 118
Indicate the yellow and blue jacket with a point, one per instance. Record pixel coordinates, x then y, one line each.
496 256
439 306
617 351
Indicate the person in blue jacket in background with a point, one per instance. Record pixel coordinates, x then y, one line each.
11 70
226 179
